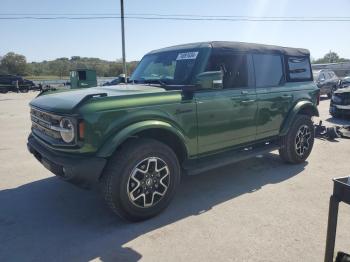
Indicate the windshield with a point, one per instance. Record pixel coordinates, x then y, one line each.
169 68
346 80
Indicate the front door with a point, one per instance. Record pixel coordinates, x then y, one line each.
226 117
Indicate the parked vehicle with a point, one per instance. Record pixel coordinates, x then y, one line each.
117 81
340 102
82 78
345 82
327 81
8 83
189 108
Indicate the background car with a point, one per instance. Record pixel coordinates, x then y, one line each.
345 82
117 81
8 83
340 103
327 81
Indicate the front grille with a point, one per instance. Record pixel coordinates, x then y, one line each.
345 98
52 119
42 122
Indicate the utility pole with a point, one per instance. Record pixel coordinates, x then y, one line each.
123 38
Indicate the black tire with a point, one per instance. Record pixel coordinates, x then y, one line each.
24 89
329 95
117 179
290 152
4 90
332 133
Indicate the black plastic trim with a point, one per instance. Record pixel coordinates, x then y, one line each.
81 171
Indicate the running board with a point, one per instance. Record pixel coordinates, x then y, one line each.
194 167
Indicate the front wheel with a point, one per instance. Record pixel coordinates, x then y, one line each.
140 179
297 145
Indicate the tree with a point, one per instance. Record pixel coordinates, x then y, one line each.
330 57
13 63
60 67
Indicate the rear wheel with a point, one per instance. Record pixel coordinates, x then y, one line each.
297 145
140 179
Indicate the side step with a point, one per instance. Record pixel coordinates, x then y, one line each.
194 167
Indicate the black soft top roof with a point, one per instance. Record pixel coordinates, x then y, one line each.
239 47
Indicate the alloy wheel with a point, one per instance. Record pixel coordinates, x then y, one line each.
302 140
148 182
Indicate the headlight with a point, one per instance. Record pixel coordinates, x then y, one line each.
67 130
336 99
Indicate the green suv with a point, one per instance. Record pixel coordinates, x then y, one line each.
187 109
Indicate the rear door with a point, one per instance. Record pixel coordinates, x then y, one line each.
274 100
226 117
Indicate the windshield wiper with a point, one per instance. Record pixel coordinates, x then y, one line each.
154 81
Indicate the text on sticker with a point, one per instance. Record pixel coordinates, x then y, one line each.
188 55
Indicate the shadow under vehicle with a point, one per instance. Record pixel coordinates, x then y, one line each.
188 109
70 224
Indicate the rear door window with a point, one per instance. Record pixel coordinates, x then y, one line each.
268 70
299 69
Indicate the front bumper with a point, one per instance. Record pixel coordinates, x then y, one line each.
339 109
83 171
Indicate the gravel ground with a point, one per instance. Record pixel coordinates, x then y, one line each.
256 210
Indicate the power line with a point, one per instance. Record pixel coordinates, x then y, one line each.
174 15
237 19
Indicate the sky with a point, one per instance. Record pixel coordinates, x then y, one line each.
49 39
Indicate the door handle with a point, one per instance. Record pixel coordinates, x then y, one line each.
286 96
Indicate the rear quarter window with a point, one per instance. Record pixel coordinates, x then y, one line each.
298 69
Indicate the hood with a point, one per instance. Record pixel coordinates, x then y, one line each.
342 90
67 101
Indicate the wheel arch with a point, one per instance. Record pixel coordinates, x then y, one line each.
158 130
301 108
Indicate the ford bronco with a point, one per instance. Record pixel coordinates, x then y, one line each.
187 109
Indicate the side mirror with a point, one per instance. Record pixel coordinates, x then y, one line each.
210 79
